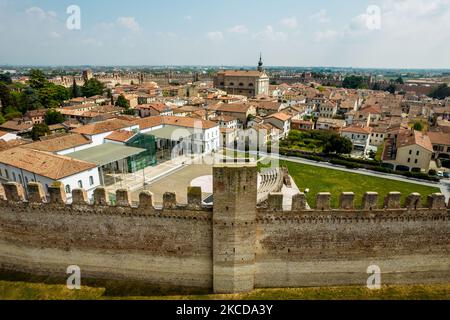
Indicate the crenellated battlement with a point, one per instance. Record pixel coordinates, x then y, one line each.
13 193
392 201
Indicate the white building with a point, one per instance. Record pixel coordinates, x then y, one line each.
360 137
204 134
8 136
24 165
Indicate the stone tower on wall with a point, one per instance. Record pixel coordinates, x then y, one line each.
234 219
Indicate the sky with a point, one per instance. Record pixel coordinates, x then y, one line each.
350 33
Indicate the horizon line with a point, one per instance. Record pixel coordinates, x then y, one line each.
219 66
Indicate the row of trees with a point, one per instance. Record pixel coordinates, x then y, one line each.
441 92
360 82
330 142
38 93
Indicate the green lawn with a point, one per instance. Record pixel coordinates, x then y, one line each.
39 291
318 179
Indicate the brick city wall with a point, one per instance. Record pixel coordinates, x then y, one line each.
232 247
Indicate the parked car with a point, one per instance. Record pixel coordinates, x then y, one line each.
440 174
447 175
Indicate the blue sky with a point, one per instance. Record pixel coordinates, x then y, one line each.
411 33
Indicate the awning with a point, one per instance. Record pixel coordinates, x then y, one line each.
106 153
172 133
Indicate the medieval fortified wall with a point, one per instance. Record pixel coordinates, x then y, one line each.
230 247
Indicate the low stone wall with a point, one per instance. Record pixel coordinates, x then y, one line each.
164 247
183 246
325 246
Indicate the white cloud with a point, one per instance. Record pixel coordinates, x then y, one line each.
39 13
188 18
238 29
129 23
321 16
215 36
269 34
290 22
325 36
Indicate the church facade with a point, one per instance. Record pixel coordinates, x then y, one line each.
249 83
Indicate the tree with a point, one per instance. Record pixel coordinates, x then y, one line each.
11 113
418 126
92 87
6 78
53 117
37 79
5 95
399 80
52 96
29 100
75 90
391 89
441 92
122 102
110 96
2 119
39 130
354 82
339 145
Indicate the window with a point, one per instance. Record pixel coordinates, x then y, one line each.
416 161
409 160
91 180
410 151
80 184
14 176
7 174
241 84
231 83
67 189
417 153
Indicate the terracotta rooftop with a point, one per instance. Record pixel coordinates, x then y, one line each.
158 106
357 129
187 122
121 136
241 73
103 126
15 125
371 109
149 122
231 107
60 143
280 116
441 138
2 133
414 137
44 164
5 145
